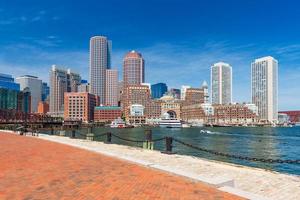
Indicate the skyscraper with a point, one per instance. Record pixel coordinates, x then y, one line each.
221 83
35 88
61 81
264 87
45 91
100 60
11 98
133 69
112 89
158 90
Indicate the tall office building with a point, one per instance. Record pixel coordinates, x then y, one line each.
133 69
221 83
35 87
74 81
45 91
112 89
61 81
158 90
264 87
100 61
8 82
11 98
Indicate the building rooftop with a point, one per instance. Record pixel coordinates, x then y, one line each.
221 64
107 108
133 54
265 58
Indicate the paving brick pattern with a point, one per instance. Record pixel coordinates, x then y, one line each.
31 168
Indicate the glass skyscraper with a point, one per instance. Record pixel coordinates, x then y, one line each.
11 98
7 81
158 90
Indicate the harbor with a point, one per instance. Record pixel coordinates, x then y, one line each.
259 142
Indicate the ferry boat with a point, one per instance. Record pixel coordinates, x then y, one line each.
118 123
170 123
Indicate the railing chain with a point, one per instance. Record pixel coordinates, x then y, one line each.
237 156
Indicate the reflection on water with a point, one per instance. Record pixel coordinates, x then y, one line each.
263 142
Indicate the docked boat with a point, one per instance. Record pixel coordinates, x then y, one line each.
185 125
118 123
170 123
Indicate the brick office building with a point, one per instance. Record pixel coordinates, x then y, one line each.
107 113
80 106
234 114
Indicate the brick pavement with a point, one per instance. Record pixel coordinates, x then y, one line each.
31 168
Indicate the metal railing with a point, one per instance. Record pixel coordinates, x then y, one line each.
169 146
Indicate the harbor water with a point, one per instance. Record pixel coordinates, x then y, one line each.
259 142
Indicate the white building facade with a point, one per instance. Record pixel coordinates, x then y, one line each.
35 87
221 83
264 87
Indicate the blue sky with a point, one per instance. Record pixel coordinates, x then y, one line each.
179 39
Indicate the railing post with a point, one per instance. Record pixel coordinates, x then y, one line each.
169 142
52 130
148 136
90 136
62 132
108 137
73 133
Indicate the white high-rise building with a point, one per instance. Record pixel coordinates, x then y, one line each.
100 61
35 87
264 87
221 83
112 89
183 91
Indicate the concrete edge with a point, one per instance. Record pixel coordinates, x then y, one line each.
242 193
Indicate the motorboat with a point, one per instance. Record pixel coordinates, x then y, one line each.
205 131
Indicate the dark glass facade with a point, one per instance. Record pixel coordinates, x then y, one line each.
158 90
45 91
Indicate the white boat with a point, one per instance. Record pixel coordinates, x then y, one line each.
205 131
184 125
118 123
170 123
297 124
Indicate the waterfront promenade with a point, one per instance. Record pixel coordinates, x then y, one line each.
32 168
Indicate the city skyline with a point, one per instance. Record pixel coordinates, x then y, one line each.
165 52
